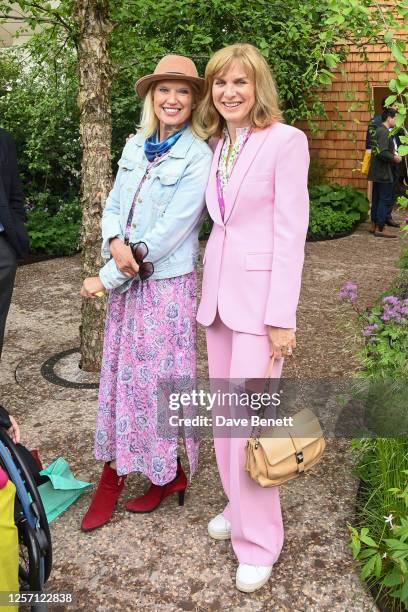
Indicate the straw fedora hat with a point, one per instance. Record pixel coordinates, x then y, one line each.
171 67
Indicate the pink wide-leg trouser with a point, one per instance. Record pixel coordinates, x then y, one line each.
253 511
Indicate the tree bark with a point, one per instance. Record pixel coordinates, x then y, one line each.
95 79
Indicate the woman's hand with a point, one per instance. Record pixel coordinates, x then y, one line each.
14 431
91 286
123 257
282 341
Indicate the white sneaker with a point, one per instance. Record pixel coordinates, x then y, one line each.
249 578
219 528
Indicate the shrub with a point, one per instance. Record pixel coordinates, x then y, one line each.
55 234
335 209
341 197
325 222
38 106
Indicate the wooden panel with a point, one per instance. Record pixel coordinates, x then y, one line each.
341 137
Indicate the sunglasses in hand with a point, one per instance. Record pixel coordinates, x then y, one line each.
139 252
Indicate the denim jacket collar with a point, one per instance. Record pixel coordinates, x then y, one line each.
179 149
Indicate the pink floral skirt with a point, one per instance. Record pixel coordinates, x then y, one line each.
150 334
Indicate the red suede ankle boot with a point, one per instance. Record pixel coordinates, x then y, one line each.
104 500
156 493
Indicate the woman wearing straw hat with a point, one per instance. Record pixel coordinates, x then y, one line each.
150 228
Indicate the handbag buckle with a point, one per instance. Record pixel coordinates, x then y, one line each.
299 457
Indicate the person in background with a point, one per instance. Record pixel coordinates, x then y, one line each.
150 228
383 159
375 122
252 276
13 234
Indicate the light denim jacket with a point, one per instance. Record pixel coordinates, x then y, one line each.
169 208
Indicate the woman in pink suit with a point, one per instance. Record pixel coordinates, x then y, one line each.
257 197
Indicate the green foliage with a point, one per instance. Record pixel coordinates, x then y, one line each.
341 197
55 234
286 32
379 541
335 209
206 227
385 561
38 106
288 37
381 546
318 170
385 351
301 41
324 222
403 262
298 40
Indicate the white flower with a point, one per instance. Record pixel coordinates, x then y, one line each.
389 519
384 556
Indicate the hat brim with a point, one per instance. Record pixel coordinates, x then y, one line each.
143 84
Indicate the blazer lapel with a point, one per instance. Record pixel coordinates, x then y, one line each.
211 192
241 167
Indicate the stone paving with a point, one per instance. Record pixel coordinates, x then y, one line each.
165 560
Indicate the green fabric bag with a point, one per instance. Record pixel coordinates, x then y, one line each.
61 490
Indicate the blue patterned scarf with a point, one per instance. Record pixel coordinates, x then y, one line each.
154 148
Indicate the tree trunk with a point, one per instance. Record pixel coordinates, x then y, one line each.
95 79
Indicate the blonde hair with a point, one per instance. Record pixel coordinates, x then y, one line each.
266 108
149 122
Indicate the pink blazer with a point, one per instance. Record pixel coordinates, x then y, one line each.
254 258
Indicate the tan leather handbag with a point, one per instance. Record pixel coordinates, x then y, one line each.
282 453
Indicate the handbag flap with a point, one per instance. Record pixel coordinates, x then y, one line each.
279 443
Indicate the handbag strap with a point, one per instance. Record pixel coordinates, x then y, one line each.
261 411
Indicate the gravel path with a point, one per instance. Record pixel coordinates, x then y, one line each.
165 560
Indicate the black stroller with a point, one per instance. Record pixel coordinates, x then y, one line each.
35 559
